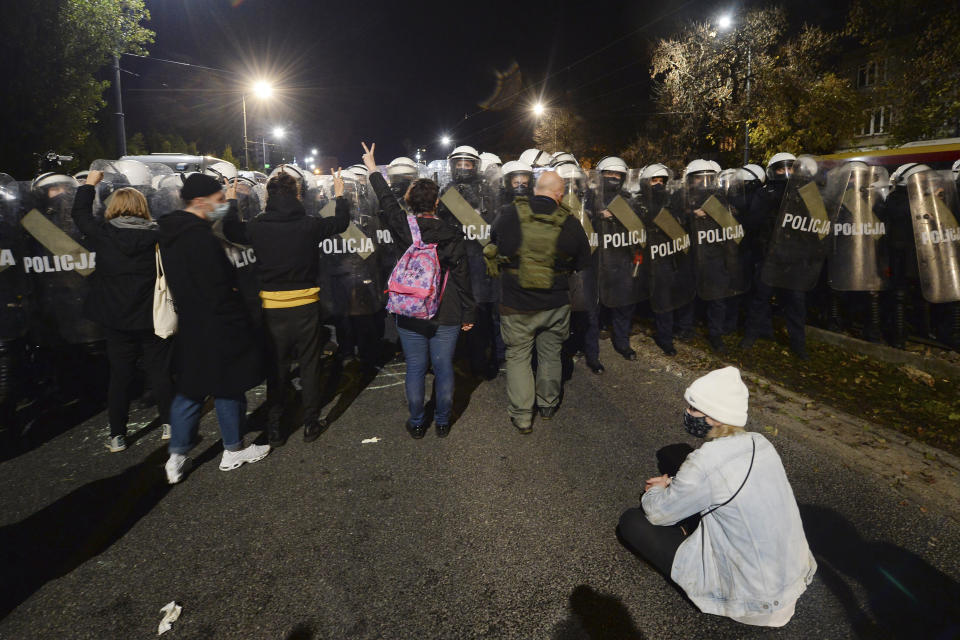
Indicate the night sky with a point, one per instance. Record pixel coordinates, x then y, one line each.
400 74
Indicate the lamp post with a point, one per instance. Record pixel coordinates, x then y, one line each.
278 133
262 90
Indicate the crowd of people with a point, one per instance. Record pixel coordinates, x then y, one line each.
522 262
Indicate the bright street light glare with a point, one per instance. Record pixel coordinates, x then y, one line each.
445 140
538 109
313 152
278 132
262 89
725 22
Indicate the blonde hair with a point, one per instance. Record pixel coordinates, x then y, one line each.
127 202
723 430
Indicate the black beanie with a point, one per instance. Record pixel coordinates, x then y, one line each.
198 186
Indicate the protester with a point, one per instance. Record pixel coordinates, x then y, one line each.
216 353
121 300
541 244
431 341
748 557
285 240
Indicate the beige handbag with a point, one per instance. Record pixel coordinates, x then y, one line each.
164 311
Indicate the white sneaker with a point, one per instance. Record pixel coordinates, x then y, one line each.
117 444
233 459
176 465
165 432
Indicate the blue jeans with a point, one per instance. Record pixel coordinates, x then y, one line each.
185 418
420 352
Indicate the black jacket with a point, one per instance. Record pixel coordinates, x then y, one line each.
216 347
457 305
573 254
286 241
121 287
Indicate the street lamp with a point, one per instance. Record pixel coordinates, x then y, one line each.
278 133
538 109
445 141
262 90
313 152
724 22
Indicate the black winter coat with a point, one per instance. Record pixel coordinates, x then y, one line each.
217 350
121 287
457 305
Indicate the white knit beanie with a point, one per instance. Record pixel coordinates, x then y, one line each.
721 395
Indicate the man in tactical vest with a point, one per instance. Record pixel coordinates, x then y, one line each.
541 244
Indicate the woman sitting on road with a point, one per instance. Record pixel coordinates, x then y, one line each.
121 299
432 341
748 558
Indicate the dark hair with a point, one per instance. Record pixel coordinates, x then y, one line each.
422 196
283 184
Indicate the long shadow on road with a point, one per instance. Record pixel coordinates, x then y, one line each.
79 526
596 616
908 598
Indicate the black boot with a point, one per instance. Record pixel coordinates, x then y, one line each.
274 430
416 431
313 428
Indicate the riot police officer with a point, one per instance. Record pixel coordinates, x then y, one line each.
760 224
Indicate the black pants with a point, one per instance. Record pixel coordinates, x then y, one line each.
295 330
794 305
657 545
585 333
621 321
665 323
360 335
123 349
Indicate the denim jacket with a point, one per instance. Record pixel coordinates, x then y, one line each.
749 557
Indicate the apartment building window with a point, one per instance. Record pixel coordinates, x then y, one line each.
877 121
871 73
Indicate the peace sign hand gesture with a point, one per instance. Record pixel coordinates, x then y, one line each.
368 160
337 182
231 189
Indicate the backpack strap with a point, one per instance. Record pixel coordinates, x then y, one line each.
735 493
414 230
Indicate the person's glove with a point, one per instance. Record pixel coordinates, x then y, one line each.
491 256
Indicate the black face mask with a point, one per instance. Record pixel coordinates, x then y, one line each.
658 188
461 176
521 190
697 427
612 185
399 188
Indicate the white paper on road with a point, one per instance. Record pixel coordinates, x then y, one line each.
170 614
370 441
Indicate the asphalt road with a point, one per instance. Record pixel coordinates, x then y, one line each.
484 534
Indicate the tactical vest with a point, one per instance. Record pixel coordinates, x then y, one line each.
538 244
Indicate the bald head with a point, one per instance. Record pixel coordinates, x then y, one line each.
549 184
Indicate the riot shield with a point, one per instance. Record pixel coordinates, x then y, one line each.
58 265
469 205
935 210
671 268
15 295
800 239
118 174
579 198
621 251
858 259
716 234
351 280
165 195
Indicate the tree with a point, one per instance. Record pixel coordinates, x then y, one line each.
917 43
562 130
52 52
702 100
228 155
137 145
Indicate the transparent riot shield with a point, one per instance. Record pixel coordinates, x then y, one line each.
58 264
800 239
935 210
858 259
621 249
351 279
671 268
716 234
579 198
15 294
118 174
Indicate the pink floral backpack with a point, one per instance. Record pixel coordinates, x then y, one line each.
414 288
